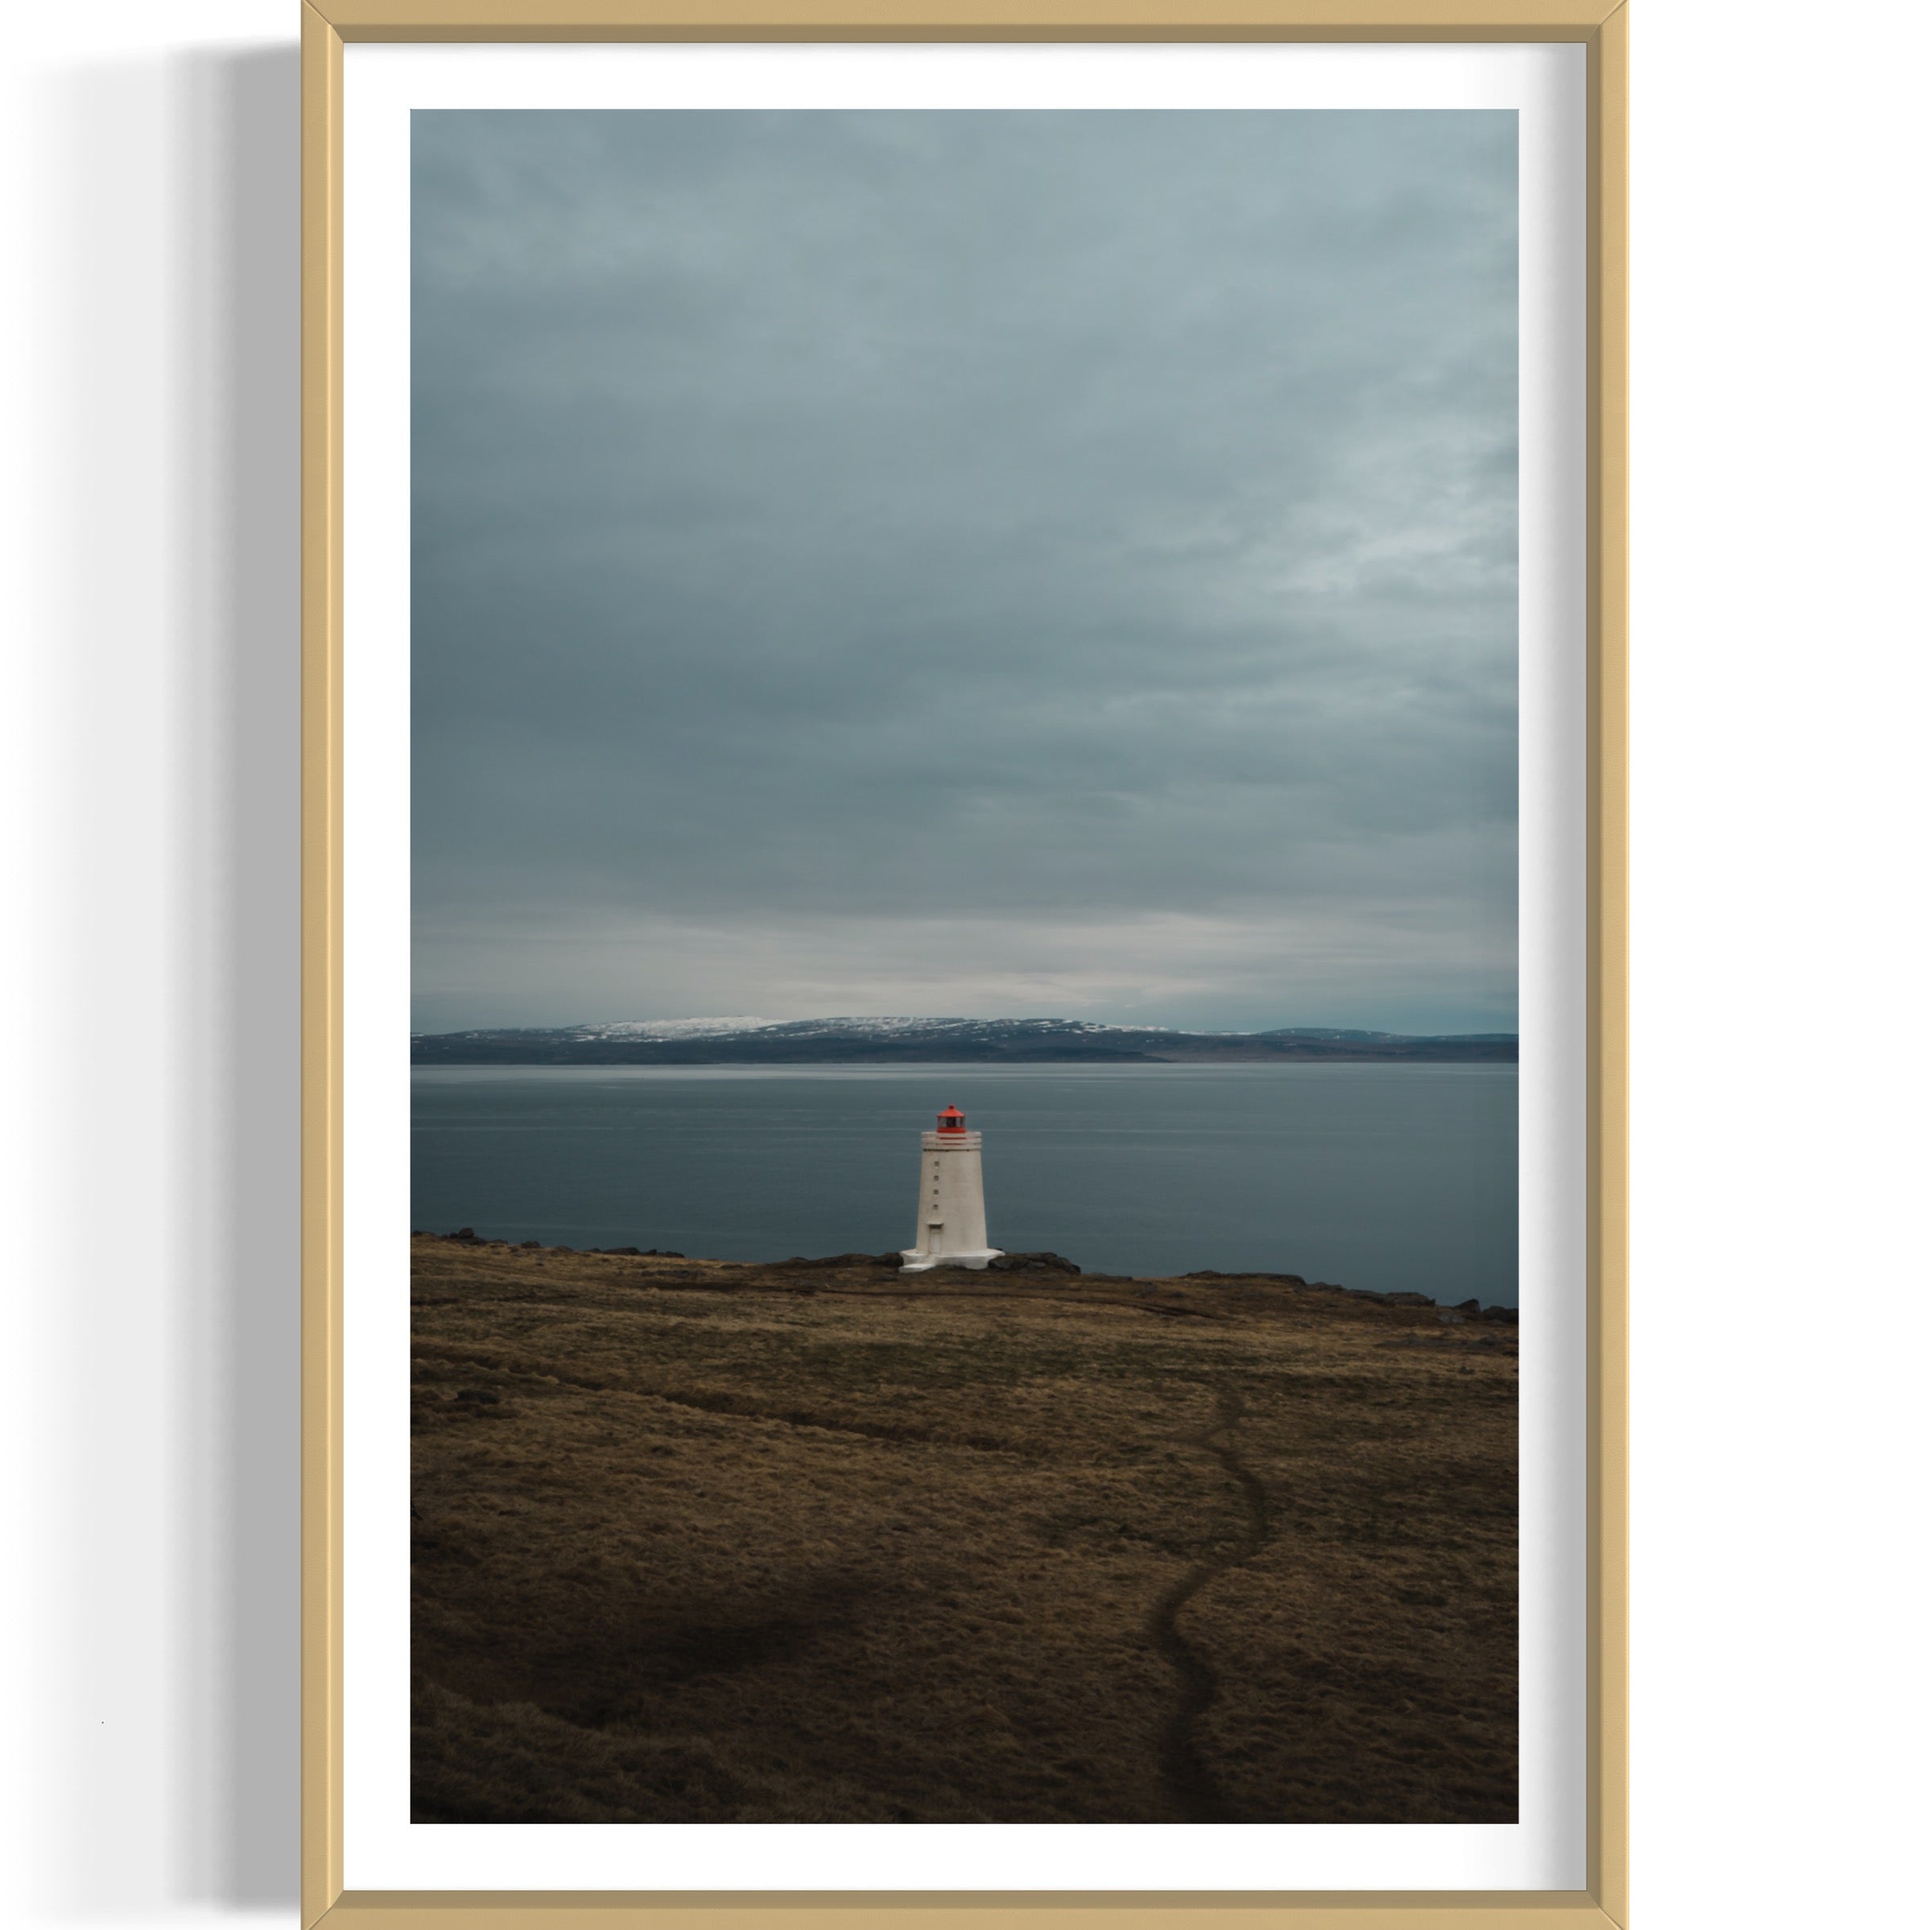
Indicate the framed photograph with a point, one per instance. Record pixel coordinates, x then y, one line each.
963 782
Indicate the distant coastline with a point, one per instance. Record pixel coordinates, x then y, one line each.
938 1041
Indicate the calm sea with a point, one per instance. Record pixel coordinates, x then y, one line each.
1383 1176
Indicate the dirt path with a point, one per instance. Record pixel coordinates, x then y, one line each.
1189 1782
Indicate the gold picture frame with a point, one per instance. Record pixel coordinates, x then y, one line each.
1600 26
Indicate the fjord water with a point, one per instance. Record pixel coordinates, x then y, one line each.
1390 1177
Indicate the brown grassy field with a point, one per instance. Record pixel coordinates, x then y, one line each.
697 1542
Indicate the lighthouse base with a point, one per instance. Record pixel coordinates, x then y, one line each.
911 1260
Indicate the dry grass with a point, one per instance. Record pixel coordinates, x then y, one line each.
742 1543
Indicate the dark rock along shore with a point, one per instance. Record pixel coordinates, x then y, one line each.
1012 1262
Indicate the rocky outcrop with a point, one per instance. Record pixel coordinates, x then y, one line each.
840 1261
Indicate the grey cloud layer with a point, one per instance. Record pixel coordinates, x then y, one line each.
1096 520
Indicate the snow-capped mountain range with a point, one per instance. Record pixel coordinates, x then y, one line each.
667 1028
886 1040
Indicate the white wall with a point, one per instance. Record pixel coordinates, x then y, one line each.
1781 1073
149 615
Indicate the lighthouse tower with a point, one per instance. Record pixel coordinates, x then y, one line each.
951 1231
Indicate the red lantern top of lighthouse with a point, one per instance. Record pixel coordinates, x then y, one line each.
952 1120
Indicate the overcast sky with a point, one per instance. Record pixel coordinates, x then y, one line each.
1007 565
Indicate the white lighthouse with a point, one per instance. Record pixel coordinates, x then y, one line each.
951 1231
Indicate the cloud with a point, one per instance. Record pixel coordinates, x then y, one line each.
846 534
1326 962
